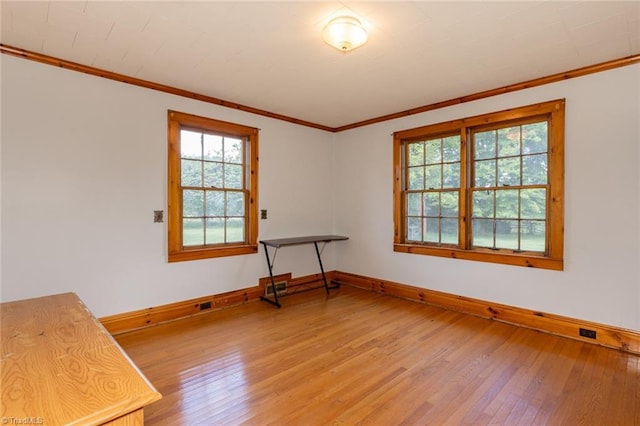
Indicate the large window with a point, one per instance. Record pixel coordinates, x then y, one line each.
486 188
213 167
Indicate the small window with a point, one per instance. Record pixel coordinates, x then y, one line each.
212 188
485 188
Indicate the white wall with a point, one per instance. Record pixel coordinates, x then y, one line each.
601 280
84 166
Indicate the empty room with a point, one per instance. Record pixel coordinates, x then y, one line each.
320 212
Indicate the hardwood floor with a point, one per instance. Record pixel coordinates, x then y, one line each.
358 357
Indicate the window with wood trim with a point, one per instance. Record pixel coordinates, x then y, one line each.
486 188
213 177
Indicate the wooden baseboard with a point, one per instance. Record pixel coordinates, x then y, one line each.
605 335
129 321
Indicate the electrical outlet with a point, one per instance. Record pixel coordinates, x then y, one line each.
158 216
591 334
263 214
205 305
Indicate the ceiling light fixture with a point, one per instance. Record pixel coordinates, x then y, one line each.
345 33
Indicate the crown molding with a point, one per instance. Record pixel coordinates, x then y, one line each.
74 66
553 78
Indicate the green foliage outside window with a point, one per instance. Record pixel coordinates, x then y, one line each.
488 187
211 171
510 174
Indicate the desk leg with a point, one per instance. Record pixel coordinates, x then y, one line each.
324 277
273 284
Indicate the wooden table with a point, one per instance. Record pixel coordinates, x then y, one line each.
294 241
59 366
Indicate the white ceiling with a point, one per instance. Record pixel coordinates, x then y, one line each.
270 55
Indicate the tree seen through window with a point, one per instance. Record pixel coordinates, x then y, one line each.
488 187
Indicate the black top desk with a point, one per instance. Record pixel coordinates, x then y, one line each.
294 241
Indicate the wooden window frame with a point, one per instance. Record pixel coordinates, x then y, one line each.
177 252
554 112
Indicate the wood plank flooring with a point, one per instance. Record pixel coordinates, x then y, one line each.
358 357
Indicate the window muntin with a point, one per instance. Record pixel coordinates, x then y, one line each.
212 188
510 194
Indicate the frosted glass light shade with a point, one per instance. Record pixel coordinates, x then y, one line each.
344 33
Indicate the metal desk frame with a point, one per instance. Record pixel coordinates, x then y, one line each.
283 242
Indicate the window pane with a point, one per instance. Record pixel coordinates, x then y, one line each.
192 232
192 203
507 234
433 177
232 150
235 204
449 202
215 203
485 144
233 176
483 204
414 229
482 235
432 230
190 144
235 230
416 178
431 204
509 141
507 204
485 173
212 147
451 175
213 175
414 203
534 138
532 235
191 172
433 150
533 203
451 149
534 169
416 154
215 231
508 171
449 231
